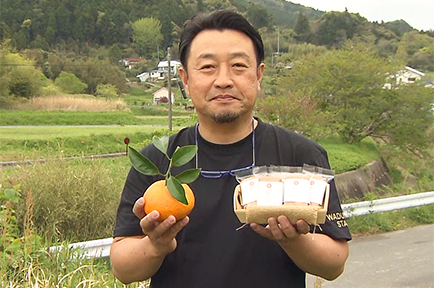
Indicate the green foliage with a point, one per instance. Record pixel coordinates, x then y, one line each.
18 76
180 157
335 28
297 112
258 16
70 83
106 90
8 225
345 90
302 28
146 35
411 118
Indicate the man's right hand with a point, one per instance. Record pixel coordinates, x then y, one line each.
161 234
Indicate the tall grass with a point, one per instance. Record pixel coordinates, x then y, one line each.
72 103
26 262
71 200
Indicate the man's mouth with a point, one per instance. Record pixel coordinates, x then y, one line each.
224 97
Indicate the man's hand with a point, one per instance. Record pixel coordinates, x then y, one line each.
161 234
281 229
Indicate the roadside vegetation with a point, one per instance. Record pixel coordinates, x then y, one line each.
334 93
64 201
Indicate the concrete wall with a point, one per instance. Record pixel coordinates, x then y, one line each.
355 184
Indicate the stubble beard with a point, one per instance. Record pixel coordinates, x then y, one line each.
225 118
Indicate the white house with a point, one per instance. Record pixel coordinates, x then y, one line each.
161 72
161 95
163 68
130 62
152 75
405 76
409 75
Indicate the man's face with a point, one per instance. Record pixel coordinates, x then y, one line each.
223 78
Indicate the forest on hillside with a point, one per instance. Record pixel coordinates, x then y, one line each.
77 25
89 38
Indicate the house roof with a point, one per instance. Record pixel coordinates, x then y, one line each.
162 89
134 59
173 63
414 71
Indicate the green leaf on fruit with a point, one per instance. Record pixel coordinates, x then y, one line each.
188 176
161 143
176 190
183 155
142 163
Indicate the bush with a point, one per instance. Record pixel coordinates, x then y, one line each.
70 83
20 78
106 90
51 90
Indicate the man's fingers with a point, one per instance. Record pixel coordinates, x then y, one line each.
263 231
302 227
281 229
139 208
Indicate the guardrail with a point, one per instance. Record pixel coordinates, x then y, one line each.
101 248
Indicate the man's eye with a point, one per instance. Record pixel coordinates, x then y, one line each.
206 67
240 65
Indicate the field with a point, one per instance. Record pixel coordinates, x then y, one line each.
62 201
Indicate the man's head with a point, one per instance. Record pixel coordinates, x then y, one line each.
218 20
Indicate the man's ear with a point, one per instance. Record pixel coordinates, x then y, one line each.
260 73
183 75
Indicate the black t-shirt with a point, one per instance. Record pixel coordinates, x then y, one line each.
211 251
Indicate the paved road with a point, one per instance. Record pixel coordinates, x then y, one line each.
397 259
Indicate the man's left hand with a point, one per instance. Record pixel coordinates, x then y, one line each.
281 229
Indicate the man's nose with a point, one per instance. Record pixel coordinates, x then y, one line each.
223 77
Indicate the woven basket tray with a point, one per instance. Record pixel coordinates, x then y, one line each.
259 214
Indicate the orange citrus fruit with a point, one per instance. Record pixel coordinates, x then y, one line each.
157 197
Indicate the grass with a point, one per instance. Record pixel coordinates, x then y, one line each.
59 147
71 200
391 220
74 103
38 118
346 157
48 133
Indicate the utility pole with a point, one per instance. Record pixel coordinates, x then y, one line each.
169 83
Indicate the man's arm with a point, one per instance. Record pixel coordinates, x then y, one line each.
318 255
137 258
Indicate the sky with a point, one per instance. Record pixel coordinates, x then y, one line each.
417 13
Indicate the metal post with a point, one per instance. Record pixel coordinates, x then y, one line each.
169 83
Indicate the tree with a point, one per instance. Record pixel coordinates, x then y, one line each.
18 76
348 87
297 112
146 35
258 16
63 22
411 120
302 28
336 27
70 83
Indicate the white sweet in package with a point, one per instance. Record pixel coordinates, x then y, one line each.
277 185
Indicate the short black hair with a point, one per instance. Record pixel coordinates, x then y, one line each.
218 20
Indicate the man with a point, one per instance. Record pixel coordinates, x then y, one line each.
222 56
